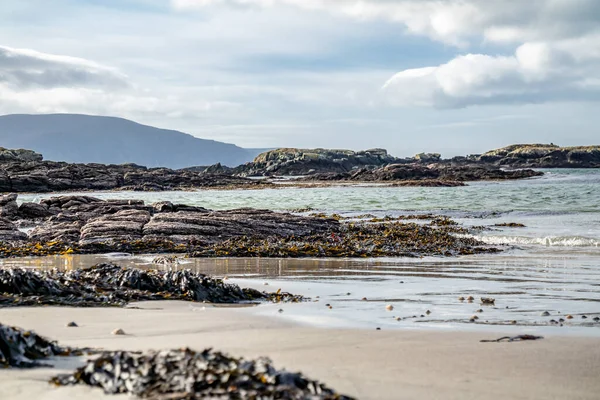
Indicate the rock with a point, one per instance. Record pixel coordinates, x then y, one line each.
296 162
118 332
8 206
545 314
389 307
10 233
7 155
35 211
72 325
543 156
39 176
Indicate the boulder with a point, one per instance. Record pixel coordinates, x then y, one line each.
8 206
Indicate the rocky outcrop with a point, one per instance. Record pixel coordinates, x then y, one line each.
19 155
8 206
436 174
542 156
85 221
48 176
295 162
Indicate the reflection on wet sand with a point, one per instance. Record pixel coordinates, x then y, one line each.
534 288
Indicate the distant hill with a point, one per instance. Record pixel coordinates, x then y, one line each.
109 140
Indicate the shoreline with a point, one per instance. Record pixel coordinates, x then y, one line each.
368 364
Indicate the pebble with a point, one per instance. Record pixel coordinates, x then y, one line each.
569 316
72 324
545 314
597 319
364 299
461 298
471 319
470 298
474 317
513 322
281 310
118 332
398 319
479 311
378 328
327 305
266 283
427 312
553 321
561 320
389 307
330 307
583 317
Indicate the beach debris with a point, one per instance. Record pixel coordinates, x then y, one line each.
169 260
510 225
488 301
187 374
518 338
545 314
389 307
118 331
23 348
112 285
72 324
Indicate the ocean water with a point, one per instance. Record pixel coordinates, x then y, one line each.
553 264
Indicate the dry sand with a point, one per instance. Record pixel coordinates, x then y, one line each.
368 364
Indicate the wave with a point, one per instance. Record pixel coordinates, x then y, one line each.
548 241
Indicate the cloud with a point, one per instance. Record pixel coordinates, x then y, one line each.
453 21
550 48
536 72
32 81
24 68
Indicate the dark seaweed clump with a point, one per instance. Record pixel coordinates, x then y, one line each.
187 374
22 349
112 285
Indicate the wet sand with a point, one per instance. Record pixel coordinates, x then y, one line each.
368 364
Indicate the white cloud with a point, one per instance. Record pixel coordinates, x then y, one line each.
536 72
555 43
32 81
24 68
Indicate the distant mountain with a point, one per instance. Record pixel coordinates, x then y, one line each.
109 140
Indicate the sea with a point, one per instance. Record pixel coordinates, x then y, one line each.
547 279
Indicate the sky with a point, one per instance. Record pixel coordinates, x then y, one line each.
448 76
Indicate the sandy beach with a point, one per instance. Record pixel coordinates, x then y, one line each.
367 364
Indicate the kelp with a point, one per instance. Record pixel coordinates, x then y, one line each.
186 374
24 349
112 285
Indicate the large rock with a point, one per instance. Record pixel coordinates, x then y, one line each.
543 156
8 206
20 155
10 233
122 225
295 162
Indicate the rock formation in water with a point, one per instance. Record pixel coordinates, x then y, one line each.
84 224
48 176
538 156
295 162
